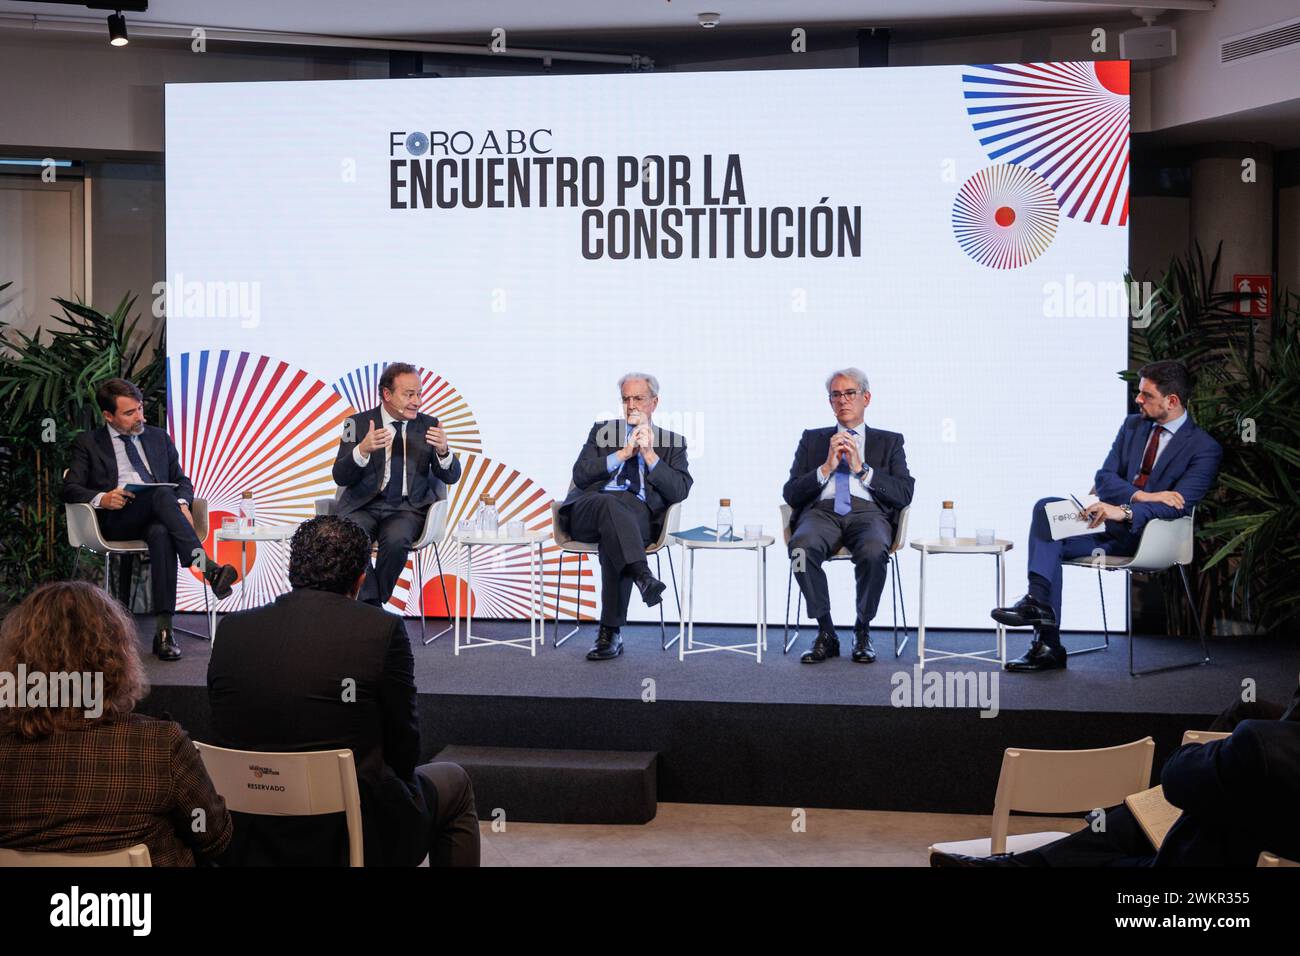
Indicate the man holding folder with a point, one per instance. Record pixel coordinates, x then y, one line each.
1160 465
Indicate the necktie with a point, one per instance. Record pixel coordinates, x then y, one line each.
133 456
1149 457
631 473
843 500
396 466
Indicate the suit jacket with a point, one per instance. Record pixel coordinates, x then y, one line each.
94 464
426 480
891 484
275 683
1238 796
1188 465
109 786
668 483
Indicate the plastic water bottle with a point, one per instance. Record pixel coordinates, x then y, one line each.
947 523
247 512
725 522
487 516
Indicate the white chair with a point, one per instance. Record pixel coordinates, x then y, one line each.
84 534
897 598
1058 782
435 529
137 855
1203 736
1165 543
1272 859
568 545
289 785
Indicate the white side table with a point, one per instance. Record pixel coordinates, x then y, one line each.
686 632
532 540
998 549
257 533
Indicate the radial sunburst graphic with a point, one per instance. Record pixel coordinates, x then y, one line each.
501 577
1005 216
438 397
1067 121
244 422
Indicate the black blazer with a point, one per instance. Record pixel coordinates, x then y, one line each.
891 485
94 464
426 480
276 683
668 483
1238 796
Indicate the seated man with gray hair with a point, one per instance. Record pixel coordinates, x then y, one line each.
847 486
627 475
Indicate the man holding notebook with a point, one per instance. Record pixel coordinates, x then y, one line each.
1160 466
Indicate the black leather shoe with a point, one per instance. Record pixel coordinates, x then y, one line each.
651 588
608 645
164 645
863 652
938 858
1039 657
1025 613
222 578
825 645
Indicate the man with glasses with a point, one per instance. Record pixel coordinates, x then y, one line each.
393 463
627 475
847 485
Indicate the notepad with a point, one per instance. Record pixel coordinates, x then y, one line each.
1066 520
1154 813
135 487
703 534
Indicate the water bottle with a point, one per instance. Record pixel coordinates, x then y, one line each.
247 512
487 516
947 523
725 521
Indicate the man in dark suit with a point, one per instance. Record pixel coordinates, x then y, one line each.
1160 466
393 463
1238 796
625 478
847 485
125 451
318 670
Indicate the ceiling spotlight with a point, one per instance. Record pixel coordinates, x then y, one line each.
708 20
117 29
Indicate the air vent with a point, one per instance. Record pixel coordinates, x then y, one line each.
1273 39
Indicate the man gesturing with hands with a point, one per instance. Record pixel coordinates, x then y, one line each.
393 463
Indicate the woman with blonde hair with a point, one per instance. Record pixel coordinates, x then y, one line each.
82 772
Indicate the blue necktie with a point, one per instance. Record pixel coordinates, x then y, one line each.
631 474
843 500
396 466
133 456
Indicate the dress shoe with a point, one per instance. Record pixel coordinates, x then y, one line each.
651 588
863 652
221 577
164 645
1039 657
1026 612
939 858
608 645
825 645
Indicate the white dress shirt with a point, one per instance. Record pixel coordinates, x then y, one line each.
363 460
857 486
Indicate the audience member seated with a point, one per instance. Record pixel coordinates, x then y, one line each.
319 670
1238 796
84 774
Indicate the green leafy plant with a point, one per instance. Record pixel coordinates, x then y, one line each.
47 397
1247 395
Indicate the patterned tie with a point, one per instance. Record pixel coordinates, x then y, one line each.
133 456
1149 457
843 500
396 466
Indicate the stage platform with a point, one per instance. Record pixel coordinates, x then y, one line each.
782 733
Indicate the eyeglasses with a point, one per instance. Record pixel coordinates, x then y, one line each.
850 395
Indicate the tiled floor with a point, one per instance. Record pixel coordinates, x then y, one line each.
690 834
